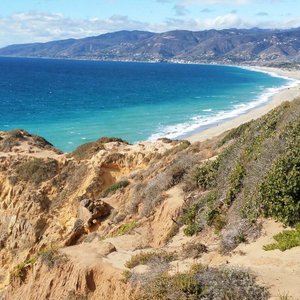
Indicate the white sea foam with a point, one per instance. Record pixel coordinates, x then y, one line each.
209 109
198 123
273 74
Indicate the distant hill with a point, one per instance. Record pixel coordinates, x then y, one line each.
236 46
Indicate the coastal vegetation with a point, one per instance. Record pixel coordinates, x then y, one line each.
145 258
115 187
36 170
285 240
127 228
202 282
257 174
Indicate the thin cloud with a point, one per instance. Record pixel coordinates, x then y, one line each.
37 26
207 10
180 10
262 14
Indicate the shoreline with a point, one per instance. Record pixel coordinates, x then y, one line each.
283 95
272 99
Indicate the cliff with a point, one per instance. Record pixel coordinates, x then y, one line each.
160 220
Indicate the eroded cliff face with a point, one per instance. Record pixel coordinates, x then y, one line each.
117 221
52 202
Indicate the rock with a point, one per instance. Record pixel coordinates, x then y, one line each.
106 248
75 235
90 210
85 202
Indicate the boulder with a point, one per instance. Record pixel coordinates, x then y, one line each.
90 211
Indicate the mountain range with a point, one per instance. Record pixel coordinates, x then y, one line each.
229 46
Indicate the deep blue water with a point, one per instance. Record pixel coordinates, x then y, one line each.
71 102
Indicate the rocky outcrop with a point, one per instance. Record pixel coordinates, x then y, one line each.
52 200
68 281
93 211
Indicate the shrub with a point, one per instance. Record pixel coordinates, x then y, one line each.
280 190
126 276
182 146
193 250
180 166
37 170
12 139
191 229
20 270
136 197
200 213
204 283
189 218
189 182
145 258
285 240
213 214
86 151
235 182
51 257
152 193
172 232
285 296
189 214
178 286
115 187
126 228
217 219
207 174
235 133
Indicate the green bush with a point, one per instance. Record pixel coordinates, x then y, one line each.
126 228
235 133
286 239
126 276
280 190
191 229
235 182
113 188
265 128
207 174
20 270
189 218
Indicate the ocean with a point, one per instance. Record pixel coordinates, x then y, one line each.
71 102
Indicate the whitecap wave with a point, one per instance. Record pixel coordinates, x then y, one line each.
198 123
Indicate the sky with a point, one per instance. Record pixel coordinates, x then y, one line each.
23 21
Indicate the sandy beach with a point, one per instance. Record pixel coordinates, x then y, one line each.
287 94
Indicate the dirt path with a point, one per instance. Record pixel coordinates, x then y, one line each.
278 270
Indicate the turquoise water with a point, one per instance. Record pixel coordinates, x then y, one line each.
72 102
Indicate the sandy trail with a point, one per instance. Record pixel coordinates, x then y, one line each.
280 271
